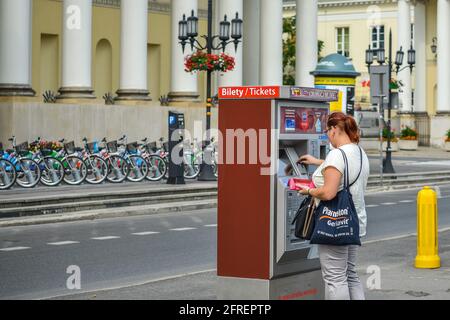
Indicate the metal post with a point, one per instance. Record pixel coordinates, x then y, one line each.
388 167
206 169
380 125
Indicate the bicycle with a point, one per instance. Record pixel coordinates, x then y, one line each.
27 169
157 166
96 166
8 174
138 166
52 169
117 165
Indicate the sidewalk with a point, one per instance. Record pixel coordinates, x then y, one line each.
395 258
421 152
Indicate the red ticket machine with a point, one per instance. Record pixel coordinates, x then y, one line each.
263 132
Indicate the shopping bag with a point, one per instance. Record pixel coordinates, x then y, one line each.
336 220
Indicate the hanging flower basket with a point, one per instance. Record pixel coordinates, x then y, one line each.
201 61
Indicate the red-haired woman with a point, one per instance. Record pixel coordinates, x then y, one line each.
339 262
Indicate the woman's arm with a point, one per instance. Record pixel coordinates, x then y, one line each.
332 177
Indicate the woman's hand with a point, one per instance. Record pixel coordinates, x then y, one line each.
308 159
304 191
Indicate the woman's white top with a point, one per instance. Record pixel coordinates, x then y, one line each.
335 159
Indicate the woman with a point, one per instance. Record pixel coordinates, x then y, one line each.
339 262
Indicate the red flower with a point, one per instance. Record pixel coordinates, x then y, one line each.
200 61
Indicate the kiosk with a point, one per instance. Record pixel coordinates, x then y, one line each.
338 73
258 255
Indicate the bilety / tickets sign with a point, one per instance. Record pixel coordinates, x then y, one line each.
256 92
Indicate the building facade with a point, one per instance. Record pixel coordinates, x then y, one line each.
83 49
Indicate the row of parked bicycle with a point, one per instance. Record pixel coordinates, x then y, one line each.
51 163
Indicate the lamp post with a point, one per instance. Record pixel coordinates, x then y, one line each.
187 34
387 163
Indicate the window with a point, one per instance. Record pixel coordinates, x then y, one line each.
377 38
343 41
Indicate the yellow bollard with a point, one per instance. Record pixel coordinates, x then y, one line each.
427 233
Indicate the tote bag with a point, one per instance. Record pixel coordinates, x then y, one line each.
336 220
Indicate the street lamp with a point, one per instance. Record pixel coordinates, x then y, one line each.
188 33
434 46
399 57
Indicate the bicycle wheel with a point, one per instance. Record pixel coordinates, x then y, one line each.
157 168
97 169
8 174
52 171
138 168
191 167
117 169
28 173
75 170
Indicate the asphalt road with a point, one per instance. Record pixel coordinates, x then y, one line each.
113 253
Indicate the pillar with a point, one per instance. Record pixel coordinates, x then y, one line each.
443 56
404 36
271 64
306 48
76 50
421 58
15 48
133 50
183 85
232 78
250 41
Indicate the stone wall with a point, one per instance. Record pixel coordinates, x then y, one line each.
29 120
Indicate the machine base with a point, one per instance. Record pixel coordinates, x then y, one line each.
302 286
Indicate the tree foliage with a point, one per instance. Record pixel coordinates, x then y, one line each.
289 50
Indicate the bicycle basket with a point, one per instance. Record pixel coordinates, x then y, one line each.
151 147
22 148
70 147
132 147
92 147
112 146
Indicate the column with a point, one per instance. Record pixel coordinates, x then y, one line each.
232 78
133 50
443 56
250 41
404 41
306 49
76 50
421 58
271 64
183 86
15 48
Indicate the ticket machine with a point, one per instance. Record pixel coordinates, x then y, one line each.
258 255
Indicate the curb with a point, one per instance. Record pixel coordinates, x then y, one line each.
111 213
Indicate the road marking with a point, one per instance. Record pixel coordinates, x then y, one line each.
106 238
406 201
182 229
62 243
388 203
144 233
372 206
14 249
211 225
